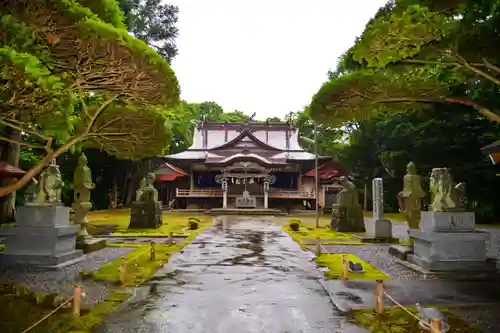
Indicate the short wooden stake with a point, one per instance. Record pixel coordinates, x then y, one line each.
152 251
318 247
435 325
379 297
345 267
123 270
77 300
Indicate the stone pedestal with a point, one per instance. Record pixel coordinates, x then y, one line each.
41 238
447 242
145 215
84 241
347 219
379 231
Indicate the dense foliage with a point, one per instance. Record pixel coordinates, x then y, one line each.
416 53
68 79
420 84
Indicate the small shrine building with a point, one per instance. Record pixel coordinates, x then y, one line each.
245 165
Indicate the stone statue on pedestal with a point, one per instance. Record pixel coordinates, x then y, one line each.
142 185
347 214
82 184
410 198
446 196
48 190
146 212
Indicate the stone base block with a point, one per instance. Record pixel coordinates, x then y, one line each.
145 215
41 261
90 245
447 221
380 229
400 251
455 266
448 251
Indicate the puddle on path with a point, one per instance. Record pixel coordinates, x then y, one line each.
241 275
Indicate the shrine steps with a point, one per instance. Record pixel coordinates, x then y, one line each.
245 211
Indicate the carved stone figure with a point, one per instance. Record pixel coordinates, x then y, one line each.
142 185
82 183
30 194
146 212
82 180
48 191
53 183
348 196
347 214
410 198
149 193
446 196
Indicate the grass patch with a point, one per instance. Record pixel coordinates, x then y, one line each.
327 236
333 261
2 247
395 320
139 266
174 222
93 317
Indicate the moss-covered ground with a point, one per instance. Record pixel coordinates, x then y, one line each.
396 320
139 266
174 222
333 261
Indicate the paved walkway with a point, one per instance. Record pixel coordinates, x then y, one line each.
241 275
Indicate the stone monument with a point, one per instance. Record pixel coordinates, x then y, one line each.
82 184
347 213
380 229
447 239
410 198
42 236
146 212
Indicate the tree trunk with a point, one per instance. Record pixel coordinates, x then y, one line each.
10 154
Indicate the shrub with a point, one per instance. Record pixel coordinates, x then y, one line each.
192 225
296 220
193 219
295 226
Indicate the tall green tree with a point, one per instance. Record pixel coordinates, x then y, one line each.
79 82
416 53
154 22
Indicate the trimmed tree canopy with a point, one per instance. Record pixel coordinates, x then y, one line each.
416 51
69 78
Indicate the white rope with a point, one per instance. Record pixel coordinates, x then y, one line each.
406 310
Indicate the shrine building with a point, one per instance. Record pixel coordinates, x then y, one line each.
245 166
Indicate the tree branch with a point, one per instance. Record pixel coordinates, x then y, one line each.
476 70
21 143
98 113
33 172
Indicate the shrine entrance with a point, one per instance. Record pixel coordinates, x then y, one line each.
245 185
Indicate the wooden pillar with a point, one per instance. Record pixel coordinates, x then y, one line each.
191 181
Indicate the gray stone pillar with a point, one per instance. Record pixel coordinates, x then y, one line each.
266 195
224 194
378 198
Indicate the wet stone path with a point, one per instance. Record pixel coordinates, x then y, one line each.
241 275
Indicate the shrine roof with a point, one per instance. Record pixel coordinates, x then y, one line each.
277 143
8 170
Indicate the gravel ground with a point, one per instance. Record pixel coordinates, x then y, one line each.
377 256
62 281
483 318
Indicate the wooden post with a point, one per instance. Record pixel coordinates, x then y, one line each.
318 247
152 251
345 267
77 300
435 325
379 297
123 270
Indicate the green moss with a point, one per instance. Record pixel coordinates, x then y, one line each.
174 223
89 321
139 266
326 235
292 220
2 247
395 320
333 261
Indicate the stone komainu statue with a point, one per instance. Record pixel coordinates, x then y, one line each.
347 214
445 194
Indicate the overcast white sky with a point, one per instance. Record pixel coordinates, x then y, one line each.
263 56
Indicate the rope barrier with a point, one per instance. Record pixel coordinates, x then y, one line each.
405 309
48 315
